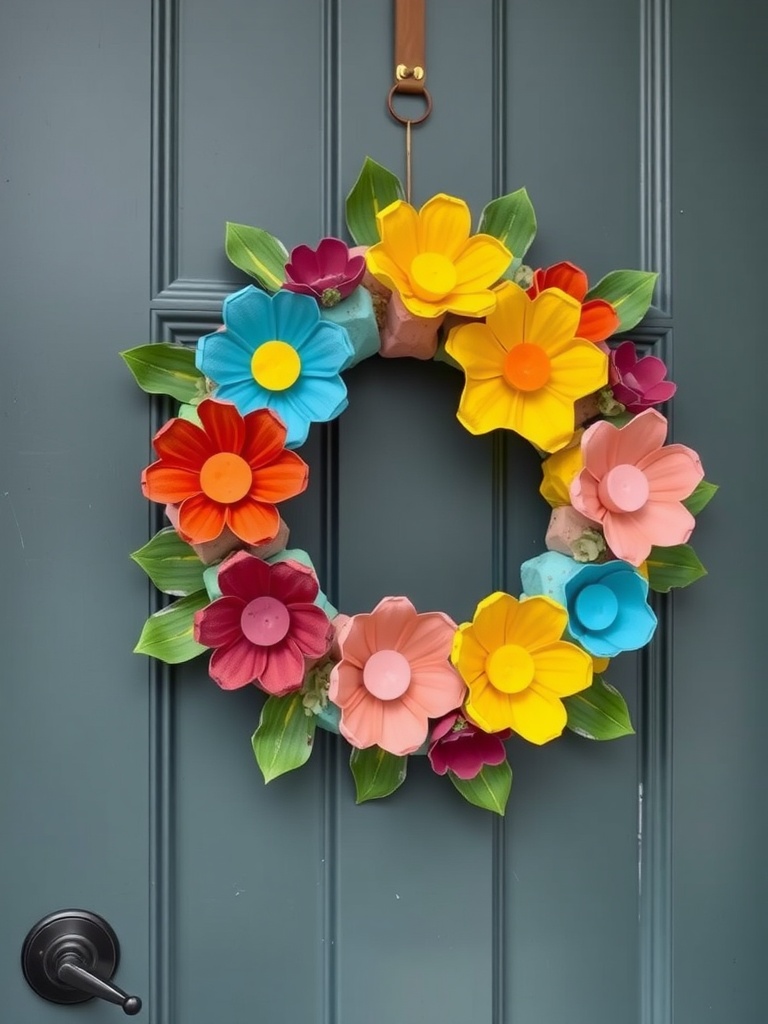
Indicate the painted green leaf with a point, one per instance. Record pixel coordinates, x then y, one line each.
167 634
512 220
284 736
189 412
489 789
374 190
629 292
165 369
599 713
376 773
258 253
701 497
673 567
171 564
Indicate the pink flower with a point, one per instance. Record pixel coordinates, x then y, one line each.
329 273
633 486
264 625
394 675
638 383
458 746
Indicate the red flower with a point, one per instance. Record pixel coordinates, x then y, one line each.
599 320
264 625
458 746
228 472
638 383
329 273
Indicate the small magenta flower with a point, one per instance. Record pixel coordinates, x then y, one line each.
638 383
329 273
458 746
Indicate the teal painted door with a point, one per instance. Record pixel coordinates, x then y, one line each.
627 883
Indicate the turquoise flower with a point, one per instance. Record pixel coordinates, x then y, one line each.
276 353
607 604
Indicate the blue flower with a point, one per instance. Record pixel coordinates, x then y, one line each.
276 353
607 604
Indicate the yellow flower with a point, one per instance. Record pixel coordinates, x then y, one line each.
559 470
525 367
433 264
517 668
599 665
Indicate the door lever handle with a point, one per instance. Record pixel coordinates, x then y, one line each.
70 957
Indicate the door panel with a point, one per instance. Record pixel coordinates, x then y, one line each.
625 883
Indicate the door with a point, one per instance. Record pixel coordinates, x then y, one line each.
626 884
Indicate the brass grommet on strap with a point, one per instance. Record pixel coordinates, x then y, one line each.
424 94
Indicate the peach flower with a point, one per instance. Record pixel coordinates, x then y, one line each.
394 675
634 485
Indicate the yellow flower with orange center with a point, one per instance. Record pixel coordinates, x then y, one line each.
430 260
517 668
525 368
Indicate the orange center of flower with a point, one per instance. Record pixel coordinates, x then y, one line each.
624 488
510 668
387 675
432 275
226 478
527 367
275 365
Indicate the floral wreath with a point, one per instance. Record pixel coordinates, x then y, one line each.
533 349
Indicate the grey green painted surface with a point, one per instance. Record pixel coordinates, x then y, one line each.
638 132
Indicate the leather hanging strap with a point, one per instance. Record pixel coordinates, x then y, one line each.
410 70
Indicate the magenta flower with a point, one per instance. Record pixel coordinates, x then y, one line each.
638 383
264 625
633 485
329 273
458 746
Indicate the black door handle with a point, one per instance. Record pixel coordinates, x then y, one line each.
70 957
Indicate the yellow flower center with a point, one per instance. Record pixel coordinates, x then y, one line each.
527 367
432 275
275 365
510 668
226 478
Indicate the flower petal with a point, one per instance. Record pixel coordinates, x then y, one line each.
434 690
183 444
246 395
223 424
219 623
399 231
283 478
291 581
468 654
324 350
248 315
507 321
495 620
663 523
565 276
200 519
385 269
429 639
237 664
254 522
303 264
224 357
346 684
578 370
388 623
488 708
562 668
673 472
361 719
332 256
552 318
169 484
487 405
295 316
264 438
311 630
244 576
598 321
317 400
444 225
540 621
403 729
642 436
284 670
481 262
477 349
537 716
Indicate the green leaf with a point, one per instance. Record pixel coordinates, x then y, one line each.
258 253
167 634
512 220
489 789
599 713
165 369
676 566
284 736
376 773
629 292
374 190
701 497
189 412
171 564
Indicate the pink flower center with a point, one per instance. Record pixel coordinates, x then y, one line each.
387 675
265 621
624 488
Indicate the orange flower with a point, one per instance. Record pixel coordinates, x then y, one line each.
599 320
228 472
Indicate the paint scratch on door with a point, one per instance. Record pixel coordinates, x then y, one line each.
7 494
